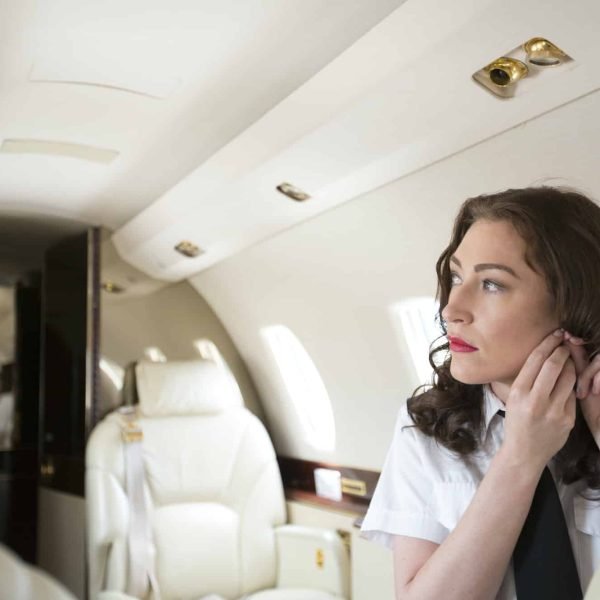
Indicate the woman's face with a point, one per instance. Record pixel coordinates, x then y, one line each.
497 304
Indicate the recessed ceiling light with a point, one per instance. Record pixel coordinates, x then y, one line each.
506 71
112 288
188 249
508 75
292 192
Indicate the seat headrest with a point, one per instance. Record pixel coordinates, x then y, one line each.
192 387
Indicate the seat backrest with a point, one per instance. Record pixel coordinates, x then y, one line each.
212 485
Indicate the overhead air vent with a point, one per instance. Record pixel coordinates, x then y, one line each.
505 75
54 148
542 53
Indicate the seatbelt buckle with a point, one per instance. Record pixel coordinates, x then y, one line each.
131 432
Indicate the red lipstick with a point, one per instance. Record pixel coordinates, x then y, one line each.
459 345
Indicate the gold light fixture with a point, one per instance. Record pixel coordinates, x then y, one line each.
506 71
112 288
519 69
542 53
292 192
188 249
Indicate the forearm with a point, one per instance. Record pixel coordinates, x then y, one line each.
471 562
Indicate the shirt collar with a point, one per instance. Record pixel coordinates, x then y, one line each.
491 405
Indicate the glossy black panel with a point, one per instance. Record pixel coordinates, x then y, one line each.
70 359
64 347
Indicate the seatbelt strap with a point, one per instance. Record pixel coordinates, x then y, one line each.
139 536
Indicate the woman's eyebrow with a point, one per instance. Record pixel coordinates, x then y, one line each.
485 266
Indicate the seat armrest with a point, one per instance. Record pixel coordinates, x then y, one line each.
312 557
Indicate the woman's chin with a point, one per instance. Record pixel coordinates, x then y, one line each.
467 375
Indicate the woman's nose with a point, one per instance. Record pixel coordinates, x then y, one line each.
458 309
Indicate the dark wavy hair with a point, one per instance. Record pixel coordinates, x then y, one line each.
561 228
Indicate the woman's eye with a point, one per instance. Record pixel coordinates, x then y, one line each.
492 286
454 278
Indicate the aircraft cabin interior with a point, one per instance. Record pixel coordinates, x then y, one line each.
219 225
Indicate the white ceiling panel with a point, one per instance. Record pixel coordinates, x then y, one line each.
209 105
380 127
202 72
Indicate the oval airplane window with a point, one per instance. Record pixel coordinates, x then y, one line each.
114 373
415 322
155 354
208 351
304 386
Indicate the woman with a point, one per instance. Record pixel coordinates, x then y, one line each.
519 291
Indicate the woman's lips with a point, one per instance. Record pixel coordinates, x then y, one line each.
459 345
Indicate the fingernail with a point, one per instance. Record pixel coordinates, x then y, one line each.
577 340
559 332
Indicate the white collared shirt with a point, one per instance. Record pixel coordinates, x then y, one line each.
424 490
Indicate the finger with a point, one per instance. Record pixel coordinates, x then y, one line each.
575 340
550 373
596 384
531 369
579 356
571 407
585 379
565 382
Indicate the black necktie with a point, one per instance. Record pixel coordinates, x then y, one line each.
543 559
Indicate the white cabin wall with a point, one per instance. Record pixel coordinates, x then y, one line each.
171 318
332 279
61 538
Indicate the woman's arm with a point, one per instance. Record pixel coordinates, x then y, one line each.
471 562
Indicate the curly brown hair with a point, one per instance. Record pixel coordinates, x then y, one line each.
562 230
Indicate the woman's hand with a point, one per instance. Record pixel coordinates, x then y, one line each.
588 383
540 408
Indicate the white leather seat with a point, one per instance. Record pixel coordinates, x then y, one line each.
21 581
215 498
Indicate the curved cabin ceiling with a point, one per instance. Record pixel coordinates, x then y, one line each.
212 105
163 84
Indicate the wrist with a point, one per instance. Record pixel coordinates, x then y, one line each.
524 469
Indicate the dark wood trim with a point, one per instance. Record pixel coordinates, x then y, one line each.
93 341
299 484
